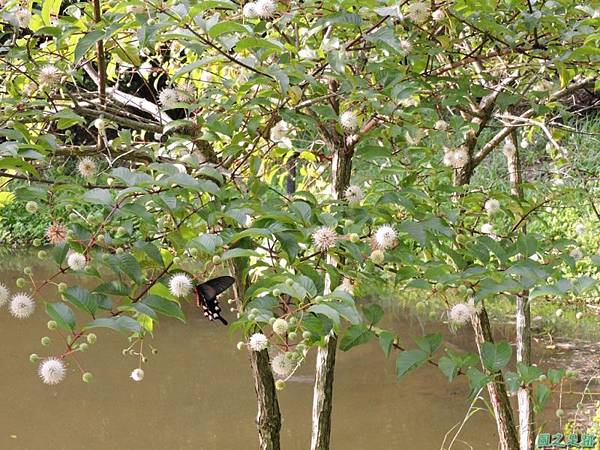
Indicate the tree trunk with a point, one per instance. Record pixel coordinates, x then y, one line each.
325 367
268 418
523 329
507 432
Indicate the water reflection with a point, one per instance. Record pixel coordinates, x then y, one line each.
197 394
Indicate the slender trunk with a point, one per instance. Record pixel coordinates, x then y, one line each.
101 61
268 418
523 331
507 432
325 368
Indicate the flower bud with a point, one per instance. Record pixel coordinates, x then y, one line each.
292 336
276 292
83 347
91 338
36 242
21 282
52 325
31 207
289 282
354 238
34 358
279 385
307 335
42 254
177 260
377 256
45 341
216 259
241 345
62 287
87 377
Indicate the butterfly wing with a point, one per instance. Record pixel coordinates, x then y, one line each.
207 295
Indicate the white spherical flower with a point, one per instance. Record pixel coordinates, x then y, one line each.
324 238
180 285
168 98
330 44
76 261
456 158
186 92
280 327
385 236
354 194
249 10
460 313
137 375
265 8
487 228
579 315
282 365
558 182
31 207
49 75
349 120
492 206
418 12
579 229
576 254
438 15
280 131
347 285
4 294
559 312
206 76
406 46
87 167
258 342
441 125
21 306
22 17
52 371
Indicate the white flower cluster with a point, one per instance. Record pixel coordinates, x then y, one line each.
385 236
4 295
52 371
456 158
21 306
418 12
280 327
168 98
579 229
137 375
461 313
77 261
258 342
280 134
324 238
282 364
261 8
49 76
180 285
87 167
349 120
354 194
492 206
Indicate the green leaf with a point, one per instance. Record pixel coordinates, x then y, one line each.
62 315
373 313
355 335
448 367
101 196
495 356
82 299
122 324
477 380
386 341
326 311
238 253
429 343
208 242
87 42
164 306
409 360
59 253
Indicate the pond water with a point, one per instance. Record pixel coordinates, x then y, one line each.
198 394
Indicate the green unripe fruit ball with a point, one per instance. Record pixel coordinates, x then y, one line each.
289 282
62 287
272 320
307 335
216 259
292 321
34 358
300 348
177 260
354 238
432 315
560 413
542 378
42 254
280 385
83 347
87 377
293 335
36 242
106 257
470 291
579 315
276 292
318 299
559 312
45 341
462 238
462 289
27 271
69 340
254 311
421 306
100 238
241 345
52 325
251 317
31 207
120 251
377 256
91 338
194 252
121 230
21 282
73 217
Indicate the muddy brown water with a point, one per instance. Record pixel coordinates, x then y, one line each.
198 394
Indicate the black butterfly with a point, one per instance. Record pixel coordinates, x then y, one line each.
206 296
